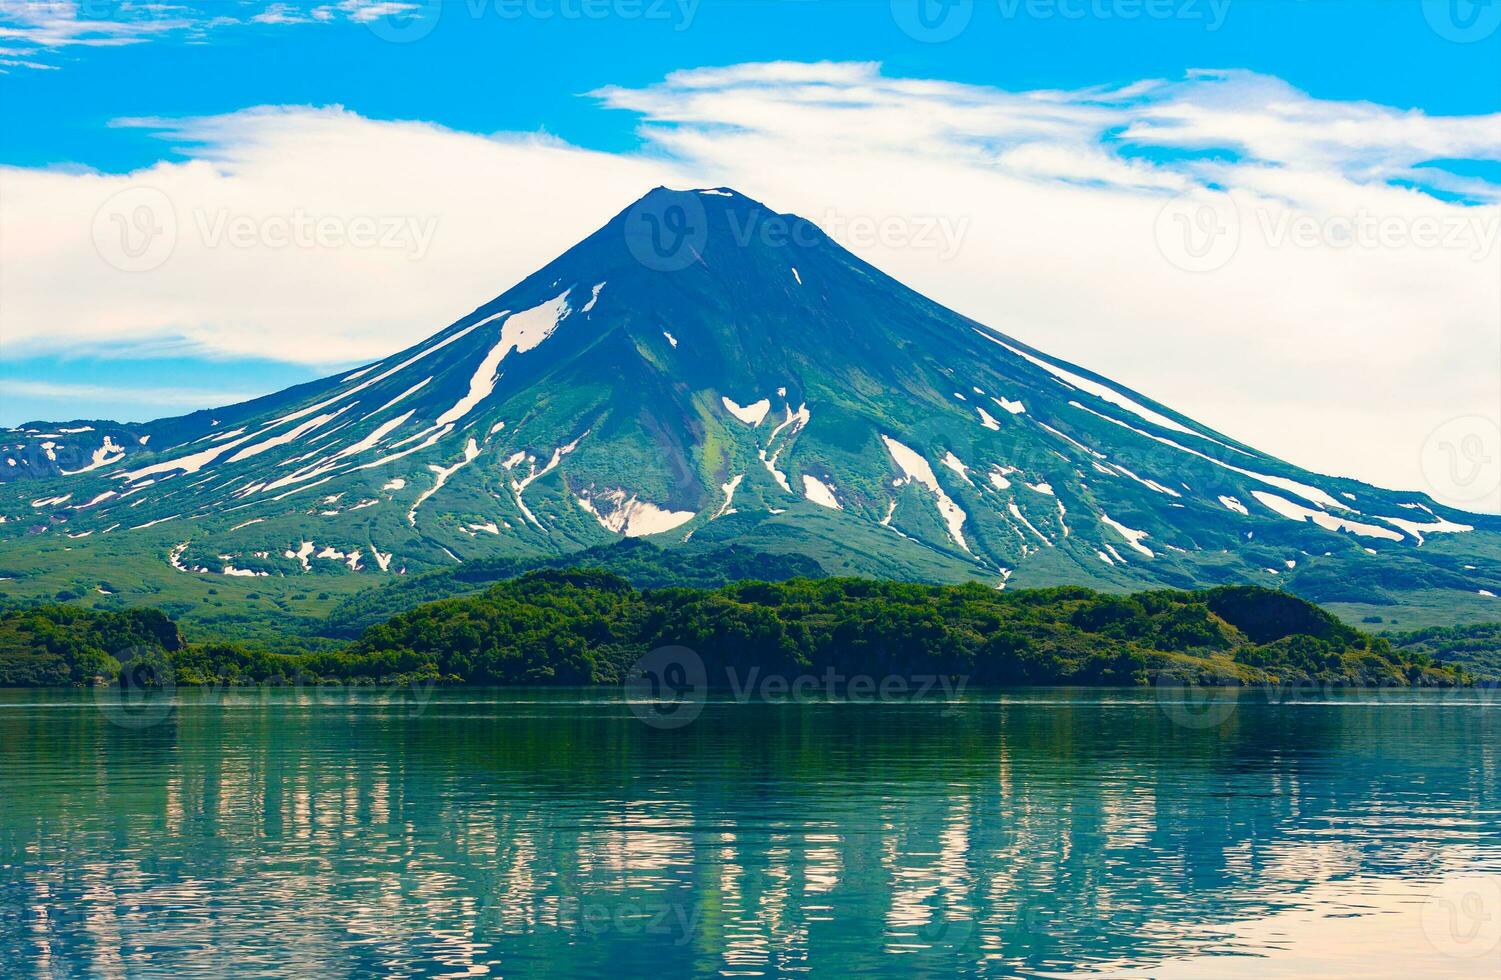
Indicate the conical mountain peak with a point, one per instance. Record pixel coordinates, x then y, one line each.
707 370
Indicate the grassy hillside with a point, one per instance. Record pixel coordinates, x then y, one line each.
1476 649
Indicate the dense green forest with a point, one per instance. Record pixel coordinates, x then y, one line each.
589 626
643 564
1476 649
49 646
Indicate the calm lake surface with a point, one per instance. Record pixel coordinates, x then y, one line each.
505 833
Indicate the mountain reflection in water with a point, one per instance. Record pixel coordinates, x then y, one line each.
498 833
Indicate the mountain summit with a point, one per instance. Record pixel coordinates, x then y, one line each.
705 370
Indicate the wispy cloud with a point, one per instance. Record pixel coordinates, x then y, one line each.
39 29
1079 135
165 396
1353 311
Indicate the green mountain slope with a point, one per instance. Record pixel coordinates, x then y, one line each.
703 371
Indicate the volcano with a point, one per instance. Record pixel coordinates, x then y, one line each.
700 371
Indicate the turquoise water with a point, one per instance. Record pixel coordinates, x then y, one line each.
479 832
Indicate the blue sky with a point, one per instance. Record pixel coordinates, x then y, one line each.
526 73
148 92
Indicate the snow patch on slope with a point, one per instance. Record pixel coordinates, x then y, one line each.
302 554
593 298
771 467
1232 503
281 440
1312 494
410 391
820 493
796 420
1297 512
957 465
106 455
1417 530
425 352
751 414
520 333
519 486
1133 537
917 470
1016 512
729 497
471 450
1103 392
631 516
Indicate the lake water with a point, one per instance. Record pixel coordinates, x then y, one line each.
494 833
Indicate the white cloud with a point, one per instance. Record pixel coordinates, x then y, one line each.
471 216
281 13
63 23
365 11
1341 357
45 26
177 397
